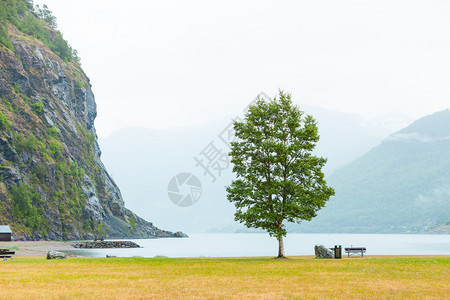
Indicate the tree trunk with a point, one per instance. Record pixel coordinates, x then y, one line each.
281 247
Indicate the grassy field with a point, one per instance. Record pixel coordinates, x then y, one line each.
206 278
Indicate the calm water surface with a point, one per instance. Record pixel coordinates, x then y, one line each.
232 244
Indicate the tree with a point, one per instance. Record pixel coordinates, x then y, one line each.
46 15
278 179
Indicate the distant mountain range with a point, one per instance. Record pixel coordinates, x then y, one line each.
402 185
143 161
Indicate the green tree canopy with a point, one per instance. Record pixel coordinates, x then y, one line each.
278 177
45 14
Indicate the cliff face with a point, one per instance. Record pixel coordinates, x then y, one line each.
53 184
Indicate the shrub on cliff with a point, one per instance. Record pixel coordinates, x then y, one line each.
4 123
28 206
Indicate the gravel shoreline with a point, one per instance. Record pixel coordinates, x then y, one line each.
36 248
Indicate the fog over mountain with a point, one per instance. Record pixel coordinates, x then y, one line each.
143 161
402 185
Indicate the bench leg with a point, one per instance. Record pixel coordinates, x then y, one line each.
5 258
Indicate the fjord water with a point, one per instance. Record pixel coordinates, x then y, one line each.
241 244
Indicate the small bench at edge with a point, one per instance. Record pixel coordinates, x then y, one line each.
6 253
355 251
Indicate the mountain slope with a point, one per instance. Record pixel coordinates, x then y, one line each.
402 185
53 183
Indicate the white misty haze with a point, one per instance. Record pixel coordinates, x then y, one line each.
164 64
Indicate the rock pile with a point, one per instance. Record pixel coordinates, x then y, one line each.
56 255
180 234
105 244
323 252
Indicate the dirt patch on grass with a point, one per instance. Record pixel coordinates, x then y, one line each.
35 248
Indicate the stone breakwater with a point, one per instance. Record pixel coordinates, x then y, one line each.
106 244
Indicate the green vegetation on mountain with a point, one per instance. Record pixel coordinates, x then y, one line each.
34 21
403 185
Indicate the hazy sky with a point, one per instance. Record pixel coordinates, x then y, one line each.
172 63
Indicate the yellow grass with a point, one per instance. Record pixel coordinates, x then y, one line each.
223 278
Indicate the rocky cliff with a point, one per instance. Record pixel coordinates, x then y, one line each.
53 184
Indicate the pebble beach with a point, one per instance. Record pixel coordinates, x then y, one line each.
39 248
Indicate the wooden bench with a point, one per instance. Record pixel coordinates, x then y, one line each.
6 253
355 251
